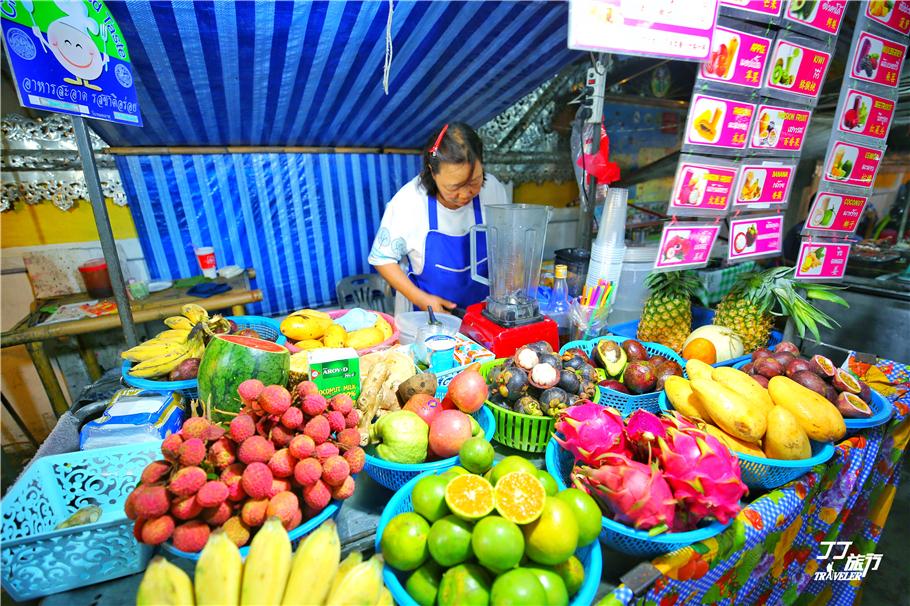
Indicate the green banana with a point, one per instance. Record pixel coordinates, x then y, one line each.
219 572
314 566
267 566
163 584
362 586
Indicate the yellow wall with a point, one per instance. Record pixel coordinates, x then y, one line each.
548 192
43 224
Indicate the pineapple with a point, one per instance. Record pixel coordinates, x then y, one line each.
756 298
667 314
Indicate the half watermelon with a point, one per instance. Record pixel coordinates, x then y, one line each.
229 360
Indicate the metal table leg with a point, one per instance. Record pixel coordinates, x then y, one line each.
48 378
18 421
238 310
89 359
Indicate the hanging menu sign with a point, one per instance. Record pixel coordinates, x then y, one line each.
685 245
890 13
850 164
755 237
702 186
763 185
821 260
718 123
824 15
736 58
865 114
770 8
796 69
835 212
876 59
779 128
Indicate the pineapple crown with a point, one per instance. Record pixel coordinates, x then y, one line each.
672 284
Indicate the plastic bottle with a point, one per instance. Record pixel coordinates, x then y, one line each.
558 307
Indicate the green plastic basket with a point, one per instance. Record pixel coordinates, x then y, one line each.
526 433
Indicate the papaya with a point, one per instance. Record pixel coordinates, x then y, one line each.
730 411
785 438
305 324
365 338
744 385
683 399
335 336
818 417
734 444
696 369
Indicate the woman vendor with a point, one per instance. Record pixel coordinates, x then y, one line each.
428 221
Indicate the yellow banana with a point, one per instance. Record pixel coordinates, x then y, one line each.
361 586
347 565
313 567
385 598
194 313
267 566
179 323
150 350
163 584
161 365
218 572
175 334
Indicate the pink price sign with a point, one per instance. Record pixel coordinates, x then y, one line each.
890 13
825 15
683 245
702 187
755 237
852 164
797 69
780 128
736 58
822 261
866 114
719 122
836 212
761 185
763 7
878 60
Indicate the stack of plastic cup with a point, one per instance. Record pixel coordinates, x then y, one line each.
609 248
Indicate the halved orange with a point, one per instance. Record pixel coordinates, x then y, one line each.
470 497
520 497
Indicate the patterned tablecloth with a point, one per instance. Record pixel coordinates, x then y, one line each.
808 542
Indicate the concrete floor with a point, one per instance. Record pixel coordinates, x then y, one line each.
890 584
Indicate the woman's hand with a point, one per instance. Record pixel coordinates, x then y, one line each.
425 300
396 277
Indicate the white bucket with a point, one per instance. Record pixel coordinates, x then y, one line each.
410 322
630 298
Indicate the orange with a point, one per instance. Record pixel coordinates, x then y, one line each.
520 497
469 497
700 349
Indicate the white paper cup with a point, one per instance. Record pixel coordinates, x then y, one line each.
206 258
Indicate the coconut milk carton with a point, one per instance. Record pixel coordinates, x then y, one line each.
334 371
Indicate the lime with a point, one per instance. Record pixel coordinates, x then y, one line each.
517 588
423 584
552 537
404 541
456 471
464 585
520 497
587 514
450 541
509 464
557 595
476 455
497 543
572 573
469 497
548 481
429 498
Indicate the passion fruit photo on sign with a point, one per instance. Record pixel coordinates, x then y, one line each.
69 56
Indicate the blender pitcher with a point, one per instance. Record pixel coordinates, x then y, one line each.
516 234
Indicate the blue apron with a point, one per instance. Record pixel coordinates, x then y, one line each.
447 262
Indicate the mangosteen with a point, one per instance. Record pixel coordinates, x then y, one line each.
587 373
763 381
851 406
493 375
580 353
788 347
525 358
844 381
541 347
572 361
783 357
544 376
498 400
640 377
553 401
527 405
634 350
552 360
761 352
798 365
810 380
611 357
768 367
865 392
668 369
822 366
513 383
614 385
747 368
588 390
569 381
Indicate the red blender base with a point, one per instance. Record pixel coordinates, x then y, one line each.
504 341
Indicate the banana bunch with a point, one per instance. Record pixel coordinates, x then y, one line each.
271 575
183 340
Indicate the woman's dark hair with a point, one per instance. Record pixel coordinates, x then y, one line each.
459 145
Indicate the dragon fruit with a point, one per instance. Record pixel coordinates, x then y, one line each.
636 494
703 474
642 430
591 432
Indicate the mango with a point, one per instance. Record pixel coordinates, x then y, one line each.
734 444
683 399
730 411
818 417
744 385
308 344
785 438
384 328
364 338
335 336
305 324
696 369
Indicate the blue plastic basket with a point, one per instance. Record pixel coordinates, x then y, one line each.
267 328
760 473
39 560
590 555
620 537
700 317
395 475
626 404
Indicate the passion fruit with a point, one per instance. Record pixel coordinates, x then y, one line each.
761 352
788 347
657 360
831 394
798 365
783 357
615 386
668 369
763 381
768 367
851 406
810 380
844 381
865 392
640 377
822 366
747 368
634 350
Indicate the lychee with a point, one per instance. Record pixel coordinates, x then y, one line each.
195 427
231 478
345 490
154 471
307 471
214 432
237 531
302 447
253 512
257 480
356 458
191 536
170 447
187 481
336 420
348 438
186 508
352 419
334 470
157 530
129 506
283 505
279 485
326 450
216 516
255 449
255 408
264 426
275 399
282 463
296 520
242 427
317 496
292 418
192 452
213 494
249 391
150 501
313 405
306 388
137 529
318 428
342 403
281 436
222 453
